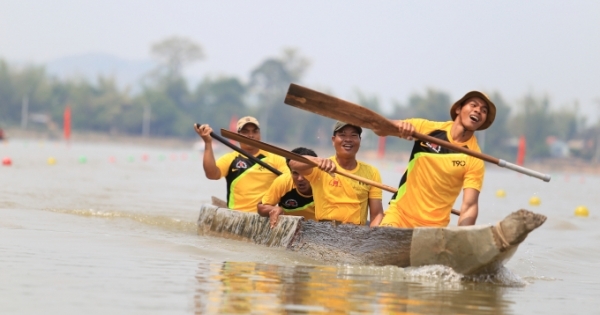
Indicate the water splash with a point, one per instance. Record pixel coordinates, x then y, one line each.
436 274
503 277
433 273
152 220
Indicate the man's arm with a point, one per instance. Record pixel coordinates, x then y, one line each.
264 209
375 212
208 161
273 212
326 165
470 207
405 129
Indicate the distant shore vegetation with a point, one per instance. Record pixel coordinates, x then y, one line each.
166 105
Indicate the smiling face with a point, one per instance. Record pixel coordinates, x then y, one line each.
473 113
346 142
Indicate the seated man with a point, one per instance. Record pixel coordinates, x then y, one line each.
289 194
338 198
247 180
436 175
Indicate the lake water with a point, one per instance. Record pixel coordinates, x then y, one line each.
110 229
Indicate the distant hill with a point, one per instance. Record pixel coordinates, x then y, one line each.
91 66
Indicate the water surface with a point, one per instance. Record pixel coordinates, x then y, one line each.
111 229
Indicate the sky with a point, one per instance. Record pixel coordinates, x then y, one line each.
389 49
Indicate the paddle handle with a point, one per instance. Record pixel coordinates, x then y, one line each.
523 170
335 108
367 181
482 156
250 156
242 151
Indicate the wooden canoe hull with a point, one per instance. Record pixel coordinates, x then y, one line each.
481 249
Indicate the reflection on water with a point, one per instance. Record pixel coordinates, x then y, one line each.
242 288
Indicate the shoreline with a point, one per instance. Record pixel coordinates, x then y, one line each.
97 137
566 165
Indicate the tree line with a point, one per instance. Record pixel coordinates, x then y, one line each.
166 105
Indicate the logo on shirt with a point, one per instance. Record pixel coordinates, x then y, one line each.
458 163
290 203
335 182
241 165
434 147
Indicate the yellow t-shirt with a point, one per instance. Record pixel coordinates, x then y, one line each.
247 181
343 199
433 180
284 192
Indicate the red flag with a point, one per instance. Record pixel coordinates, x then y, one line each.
521 151
67 123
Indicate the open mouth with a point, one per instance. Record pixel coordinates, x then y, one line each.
474 118
347 146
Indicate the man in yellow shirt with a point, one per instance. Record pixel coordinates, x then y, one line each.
435 175
338 198
247 181
290 194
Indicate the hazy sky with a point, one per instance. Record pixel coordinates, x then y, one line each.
386 48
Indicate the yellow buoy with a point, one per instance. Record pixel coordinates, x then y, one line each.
500 193
51 161
535 201
581 211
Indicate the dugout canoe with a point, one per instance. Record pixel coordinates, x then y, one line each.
480 249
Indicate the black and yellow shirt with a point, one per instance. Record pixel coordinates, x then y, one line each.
433 179
343 199
284 193
247 181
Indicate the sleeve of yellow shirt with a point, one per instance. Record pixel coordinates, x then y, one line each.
418 123
474 176
224 162
281 165
313 175
276 191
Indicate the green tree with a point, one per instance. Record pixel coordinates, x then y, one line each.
537 122
269 82
216 101
175 53
167 97
494 140
369 139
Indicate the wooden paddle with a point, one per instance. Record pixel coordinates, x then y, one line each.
242 151
335 108
218 202
296 157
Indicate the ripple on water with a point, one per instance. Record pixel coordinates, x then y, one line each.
152 220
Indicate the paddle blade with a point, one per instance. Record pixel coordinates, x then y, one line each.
338 109
218 202
267 147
